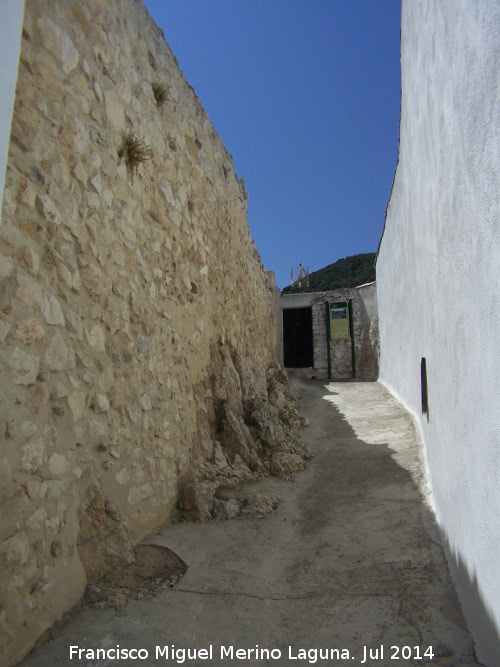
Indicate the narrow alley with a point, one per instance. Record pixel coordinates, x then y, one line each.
346 570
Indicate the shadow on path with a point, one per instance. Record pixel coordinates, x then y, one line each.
350 563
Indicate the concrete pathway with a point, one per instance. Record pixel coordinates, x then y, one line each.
349 564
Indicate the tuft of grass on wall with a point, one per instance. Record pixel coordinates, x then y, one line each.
134 151
160 92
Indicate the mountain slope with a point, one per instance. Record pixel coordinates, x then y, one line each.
348 272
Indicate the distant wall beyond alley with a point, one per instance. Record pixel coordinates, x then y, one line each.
438 282
365 329
133 302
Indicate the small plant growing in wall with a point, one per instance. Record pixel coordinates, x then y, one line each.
134 151
160 92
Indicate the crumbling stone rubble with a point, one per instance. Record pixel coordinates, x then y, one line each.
254 433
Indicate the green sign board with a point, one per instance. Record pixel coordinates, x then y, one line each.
339 320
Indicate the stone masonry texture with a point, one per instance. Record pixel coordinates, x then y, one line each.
365 329
137 326
365 338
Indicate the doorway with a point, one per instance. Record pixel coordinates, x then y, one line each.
297 338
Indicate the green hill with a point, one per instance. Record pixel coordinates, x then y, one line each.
348 272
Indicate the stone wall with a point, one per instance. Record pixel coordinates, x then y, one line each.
136 320
365 326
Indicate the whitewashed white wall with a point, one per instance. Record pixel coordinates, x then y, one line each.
11 20
438 281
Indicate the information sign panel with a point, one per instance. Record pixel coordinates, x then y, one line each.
339 320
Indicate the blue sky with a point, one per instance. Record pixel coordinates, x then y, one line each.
305 95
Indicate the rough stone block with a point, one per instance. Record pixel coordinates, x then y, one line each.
58 465
52 311
29 332
5 327
16 549
6 266
34 456
36 521
58 356
58 42
76 402
114 110
96 338
91 277
13 508
100 403
38 398
29 293
23 367
74 323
